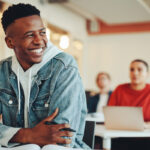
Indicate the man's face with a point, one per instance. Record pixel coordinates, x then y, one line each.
27 36
138 73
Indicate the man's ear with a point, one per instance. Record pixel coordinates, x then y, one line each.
9 42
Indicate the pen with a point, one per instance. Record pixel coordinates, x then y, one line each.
64 129
49 123
68 129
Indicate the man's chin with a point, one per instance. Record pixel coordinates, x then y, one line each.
37 61
136 83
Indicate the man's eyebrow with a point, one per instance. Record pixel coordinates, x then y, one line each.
33 31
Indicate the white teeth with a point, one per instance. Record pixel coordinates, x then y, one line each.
37 50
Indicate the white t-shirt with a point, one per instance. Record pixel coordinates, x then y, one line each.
103 99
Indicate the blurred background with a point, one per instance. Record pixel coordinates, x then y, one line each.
102 35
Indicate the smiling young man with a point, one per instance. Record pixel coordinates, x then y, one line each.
22 39
39 84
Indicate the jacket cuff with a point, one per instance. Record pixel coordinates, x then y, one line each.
7 136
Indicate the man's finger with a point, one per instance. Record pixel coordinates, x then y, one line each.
61 126
64 133
52 116
64 141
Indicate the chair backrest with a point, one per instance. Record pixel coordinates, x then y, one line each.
89 137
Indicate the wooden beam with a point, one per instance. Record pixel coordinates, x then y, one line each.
118 28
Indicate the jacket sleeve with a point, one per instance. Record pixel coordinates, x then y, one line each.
6 133
69 97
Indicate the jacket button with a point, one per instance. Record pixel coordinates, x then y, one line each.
46 105
10 102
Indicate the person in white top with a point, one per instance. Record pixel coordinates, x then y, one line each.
96 102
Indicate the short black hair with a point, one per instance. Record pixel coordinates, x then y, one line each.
17 11
142 61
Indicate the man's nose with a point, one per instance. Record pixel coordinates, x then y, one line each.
135 72
38 40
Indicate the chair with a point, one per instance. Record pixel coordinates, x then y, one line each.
89 137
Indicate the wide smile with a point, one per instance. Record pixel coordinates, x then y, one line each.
38 51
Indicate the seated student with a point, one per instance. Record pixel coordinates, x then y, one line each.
95 103
41 92
136 93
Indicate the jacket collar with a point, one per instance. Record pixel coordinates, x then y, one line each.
43 74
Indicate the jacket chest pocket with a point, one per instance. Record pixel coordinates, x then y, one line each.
9 107
41 106
8 99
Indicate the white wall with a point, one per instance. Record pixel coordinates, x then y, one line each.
4 50
59 16
113 53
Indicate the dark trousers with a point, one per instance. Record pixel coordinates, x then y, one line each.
125 143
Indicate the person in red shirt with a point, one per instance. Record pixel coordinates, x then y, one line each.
136 93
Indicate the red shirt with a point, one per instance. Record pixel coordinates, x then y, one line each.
125 96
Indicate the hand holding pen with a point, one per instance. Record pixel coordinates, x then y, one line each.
46 132
63 129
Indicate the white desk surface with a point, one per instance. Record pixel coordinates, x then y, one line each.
101 131
97 117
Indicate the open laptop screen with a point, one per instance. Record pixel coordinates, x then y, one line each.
123 118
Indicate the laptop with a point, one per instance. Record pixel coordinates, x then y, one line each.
123 118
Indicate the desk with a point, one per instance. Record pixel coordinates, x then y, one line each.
101 131
97 117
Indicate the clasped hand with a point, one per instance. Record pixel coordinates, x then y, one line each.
43 134
50 134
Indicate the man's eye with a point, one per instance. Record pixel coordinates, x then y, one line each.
43 33
131 69
30 35
140 70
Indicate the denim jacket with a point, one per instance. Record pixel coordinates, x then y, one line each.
57 84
